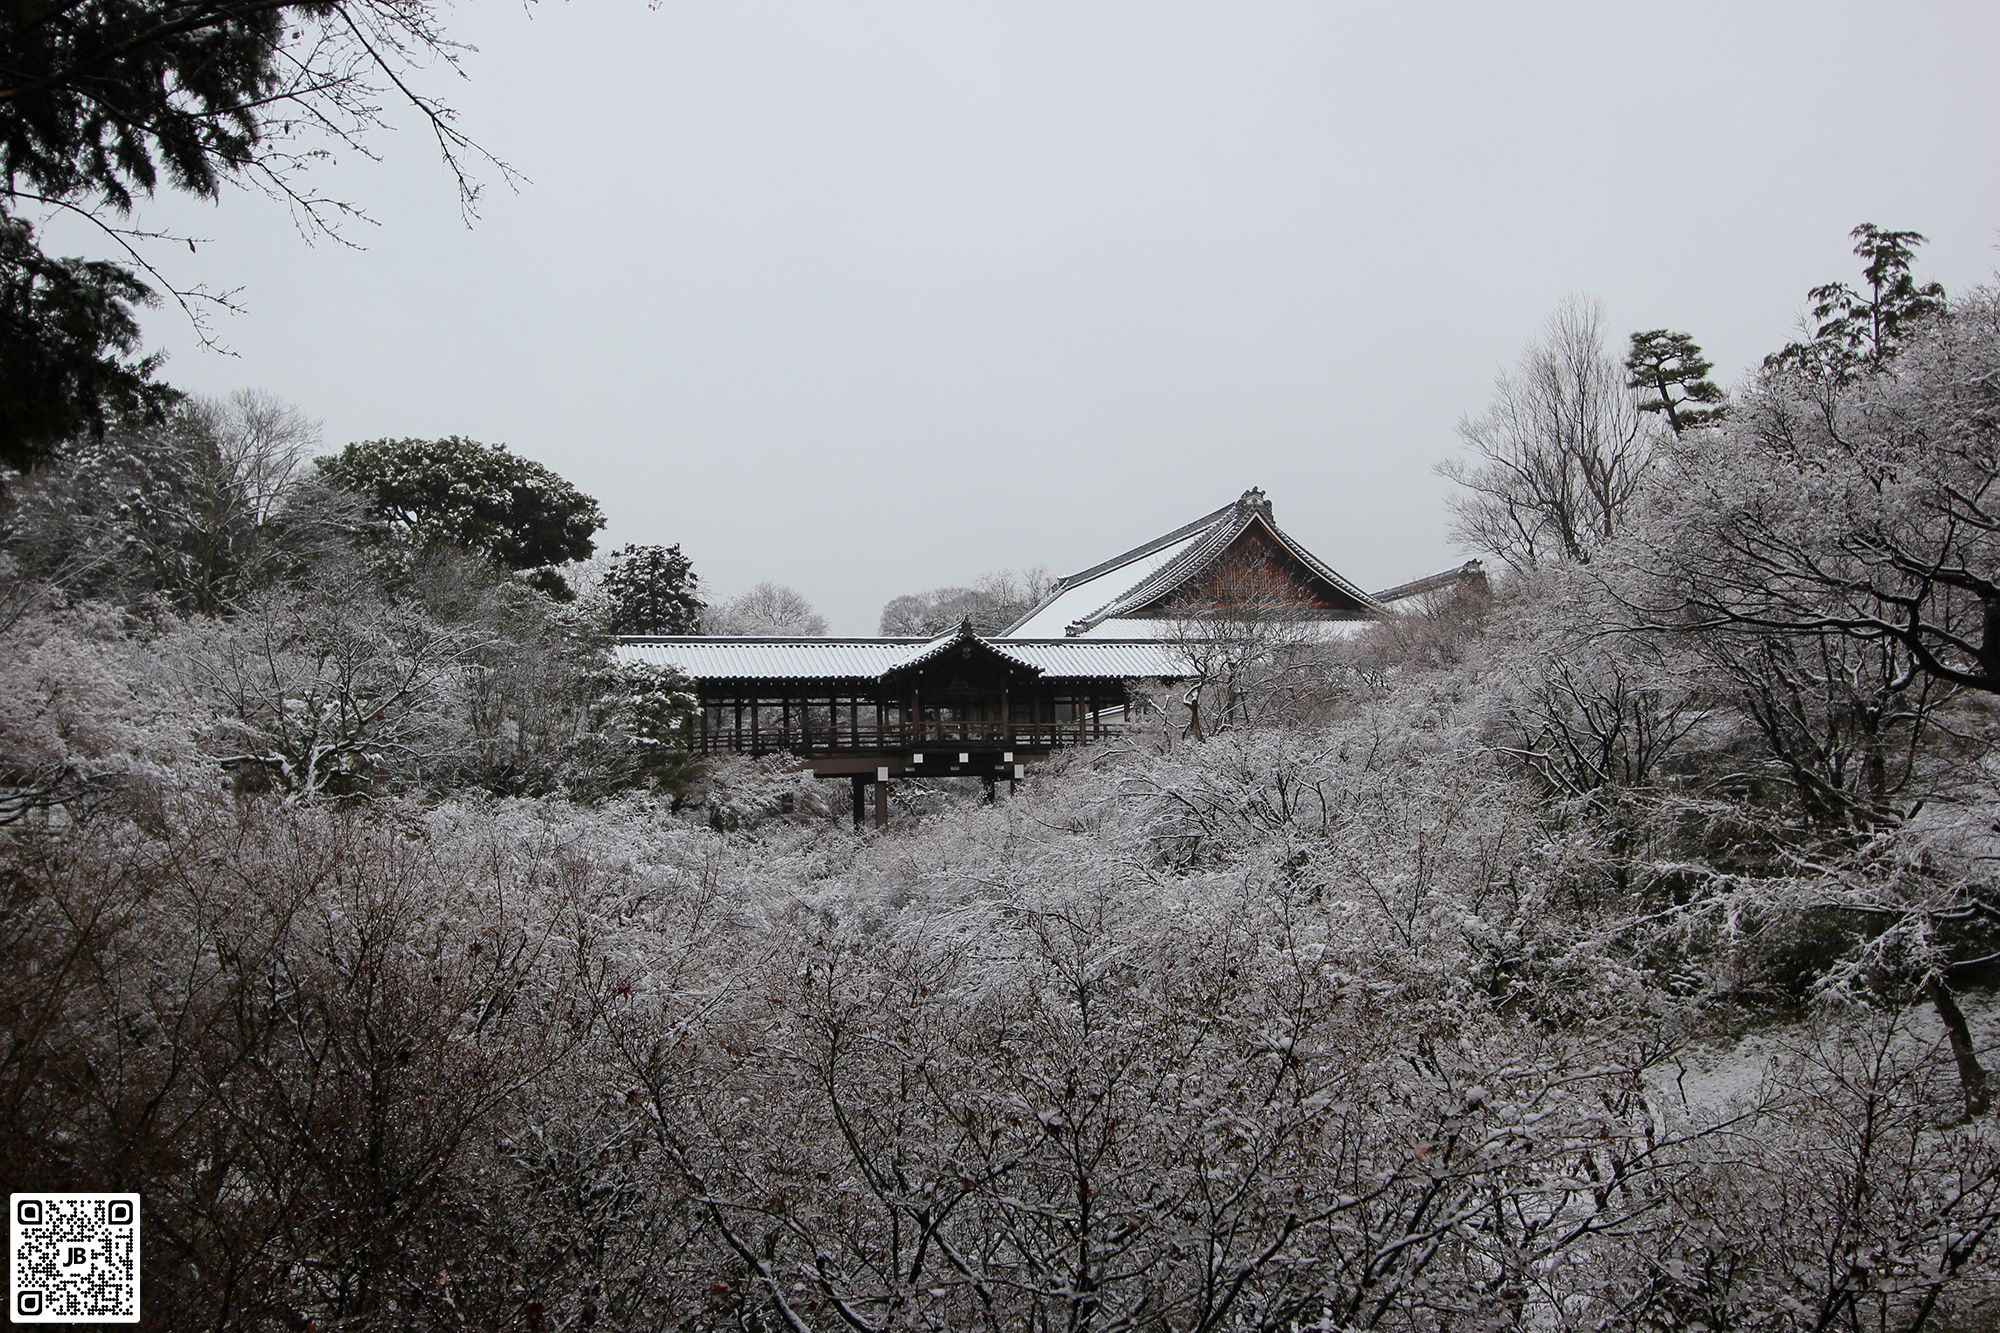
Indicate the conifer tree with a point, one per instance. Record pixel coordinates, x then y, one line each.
651 590
1671 375
1860 330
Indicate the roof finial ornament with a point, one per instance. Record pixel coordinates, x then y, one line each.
1253 501
965 626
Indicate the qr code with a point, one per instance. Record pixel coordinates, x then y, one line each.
75 1258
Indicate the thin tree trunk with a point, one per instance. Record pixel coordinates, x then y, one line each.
1970 1075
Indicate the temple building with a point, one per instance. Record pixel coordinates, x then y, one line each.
963 704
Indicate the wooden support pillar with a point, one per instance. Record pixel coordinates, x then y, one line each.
756 712
739 724
860 796
989 790
881 803
785 718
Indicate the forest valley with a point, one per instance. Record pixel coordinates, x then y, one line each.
1612 950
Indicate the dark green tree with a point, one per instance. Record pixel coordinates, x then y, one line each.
69 337
1671 376
105 102
478 496
651 590
102 100
1858 330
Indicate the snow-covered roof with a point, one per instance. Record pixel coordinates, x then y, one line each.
1072 600
869 659
1150 572
771 659
1100 657
1168 630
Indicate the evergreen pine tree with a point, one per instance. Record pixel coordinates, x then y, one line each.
1671 374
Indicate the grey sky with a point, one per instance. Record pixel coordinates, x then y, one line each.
867 298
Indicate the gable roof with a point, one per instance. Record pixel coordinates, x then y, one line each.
1152 571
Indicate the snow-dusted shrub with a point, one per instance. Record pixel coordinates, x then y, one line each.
740 793
83 712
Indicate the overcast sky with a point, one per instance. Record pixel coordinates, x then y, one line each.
872 297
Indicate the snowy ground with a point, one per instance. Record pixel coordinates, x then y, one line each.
1711 1075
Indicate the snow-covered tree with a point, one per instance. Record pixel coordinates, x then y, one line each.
768 610
1554 462
1864 509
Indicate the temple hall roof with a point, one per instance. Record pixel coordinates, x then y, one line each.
1112 598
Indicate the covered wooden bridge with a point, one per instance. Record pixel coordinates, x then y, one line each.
873 710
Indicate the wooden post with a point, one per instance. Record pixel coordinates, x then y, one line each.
881 803
860 796
756 711
785 718
739 725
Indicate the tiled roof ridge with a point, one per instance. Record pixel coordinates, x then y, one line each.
1139 552
963 633
1471 569
1145 549
1175 572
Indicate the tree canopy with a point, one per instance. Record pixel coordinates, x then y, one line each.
1554 461
651 590
770 610
993 602
1867 513
1859 329
479 496
1671 375
103 103
69 340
